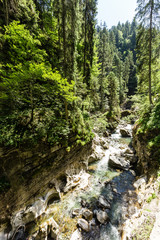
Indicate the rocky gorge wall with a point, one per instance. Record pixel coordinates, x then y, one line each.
147 158
34 174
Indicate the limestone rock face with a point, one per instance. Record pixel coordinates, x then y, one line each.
146 159
36 177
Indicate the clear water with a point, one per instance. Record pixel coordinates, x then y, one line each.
100 173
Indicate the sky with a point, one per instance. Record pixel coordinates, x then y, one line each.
113 11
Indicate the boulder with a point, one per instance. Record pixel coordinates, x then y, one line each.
118 162
102 216
76 235
140 182
106 134
125 133
83 224
76 212
102 202
96 156
125 113
87 214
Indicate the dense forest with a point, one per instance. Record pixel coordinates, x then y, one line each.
60 71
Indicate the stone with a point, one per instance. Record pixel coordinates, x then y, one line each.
29 215
76 235
102 202
106 134
102 216
140 182
105 146
83 224
43 233
125 113
76 212
125 132
128 151
87 214
118 162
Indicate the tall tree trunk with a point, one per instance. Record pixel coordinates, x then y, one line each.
150 53
64 49
85 39
6 12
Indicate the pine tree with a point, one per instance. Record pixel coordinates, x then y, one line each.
147 13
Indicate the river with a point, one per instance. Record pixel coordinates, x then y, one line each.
113 185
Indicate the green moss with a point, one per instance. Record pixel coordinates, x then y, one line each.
151 198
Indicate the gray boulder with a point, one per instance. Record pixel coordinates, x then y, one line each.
118 162
125 133
102 216
102 202
87 214
83 224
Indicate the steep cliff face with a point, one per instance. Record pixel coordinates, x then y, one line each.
147 157
27 175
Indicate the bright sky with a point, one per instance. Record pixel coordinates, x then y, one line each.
113 11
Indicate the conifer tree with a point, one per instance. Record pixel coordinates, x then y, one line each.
147 14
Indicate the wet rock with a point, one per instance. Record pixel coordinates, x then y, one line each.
96 156
102 202
76 212
128 151
118 162
83 224
80 180
125 113
105 146
102 216
125 133
76 235
106 134
87 214
93 222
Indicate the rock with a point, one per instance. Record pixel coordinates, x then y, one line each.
102 216
106 134
83 224
43 233
87 214
29 215
128 151
105 146
80 180
96 156
125 132
76 212
125 113
76 235
103 202
140 182
34 211
117 162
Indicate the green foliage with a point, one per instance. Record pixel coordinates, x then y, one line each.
151 198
